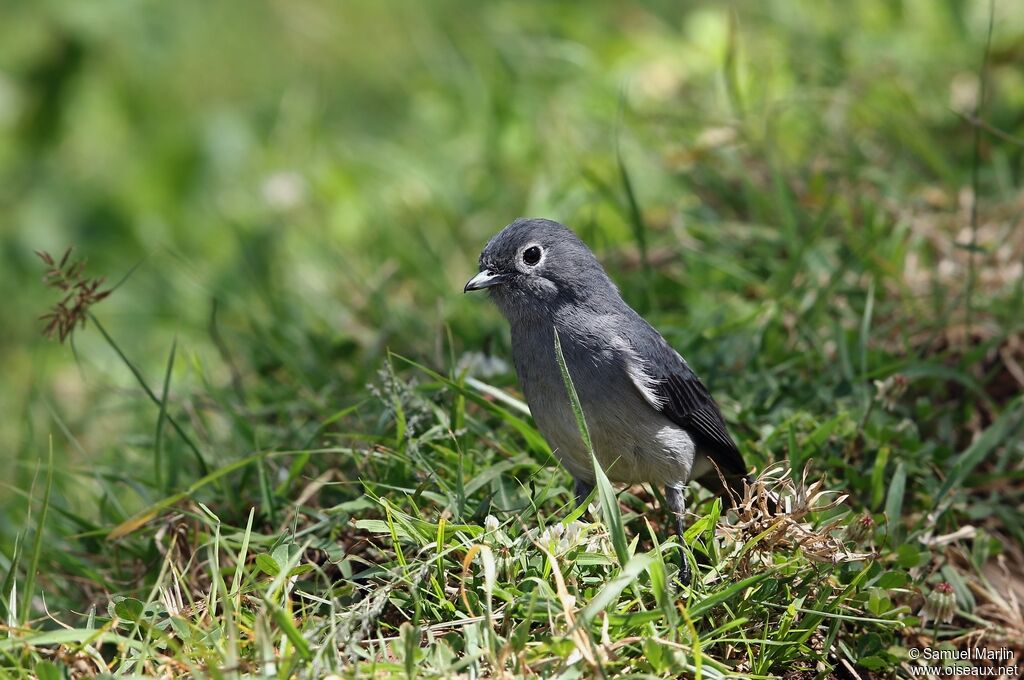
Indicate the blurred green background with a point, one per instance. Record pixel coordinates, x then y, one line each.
297 186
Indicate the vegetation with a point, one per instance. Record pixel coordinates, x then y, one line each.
268 436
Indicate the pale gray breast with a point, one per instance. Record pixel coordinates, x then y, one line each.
633 441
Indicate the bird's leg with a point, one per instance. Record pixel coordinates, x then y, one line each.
581 489
674 499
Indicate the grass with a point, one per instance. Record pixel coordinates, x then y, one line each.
285 445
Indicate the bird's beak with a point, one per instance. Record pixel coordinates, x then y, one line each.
484 279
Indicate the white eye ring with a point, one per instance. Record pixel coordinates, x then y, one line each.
532 252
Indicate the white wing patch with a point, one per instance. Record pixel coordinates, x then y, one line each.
636 367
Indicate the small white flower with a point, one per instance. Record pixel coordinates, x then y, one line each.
572 532
491 524
550 537
561 538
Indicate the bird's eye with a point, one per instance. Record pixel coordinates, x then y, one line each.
531 255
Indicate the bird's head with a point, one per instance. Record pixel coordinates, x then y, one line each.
536 264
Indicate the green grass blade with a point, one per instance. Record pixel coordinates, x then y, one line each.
894 503
148 513
70 636
158 443
996 434
200 460
609 593
636 217
574 399
10 614
236 580
521 426
37 547
698 608
606 494
865 329
878 476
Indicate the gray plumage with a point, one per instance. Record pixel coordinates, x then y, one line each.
650 417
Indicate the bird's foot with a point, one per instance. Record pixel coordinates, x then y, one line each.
582 490
685 575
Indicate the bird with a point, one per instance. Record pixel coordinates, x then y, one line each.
650 418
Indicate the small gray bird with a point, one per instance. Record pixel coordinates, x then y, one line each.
650 417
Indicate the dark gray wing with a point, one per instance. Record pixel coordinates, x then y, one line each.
686 401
